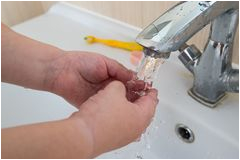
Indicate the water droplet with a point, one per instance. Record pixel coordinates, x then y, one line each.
204 4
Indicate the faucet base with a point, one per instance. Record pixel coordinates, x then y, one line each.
204 101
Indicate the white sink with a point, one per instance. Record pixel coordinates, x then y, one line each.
215 130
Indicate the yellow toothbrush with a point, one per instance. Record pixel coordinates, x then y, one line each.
130 46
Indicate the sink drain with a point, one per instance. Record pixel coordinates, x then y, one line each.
184 133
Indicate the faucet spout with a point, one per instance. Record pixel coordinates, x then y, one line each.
171 30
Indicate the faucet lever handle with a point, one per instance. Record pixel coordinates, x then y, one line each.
189 55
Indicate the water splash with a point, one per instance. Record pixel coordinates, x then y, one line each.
146 73
148 68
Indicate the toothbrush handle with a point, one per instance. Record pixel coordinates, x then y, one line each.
131 46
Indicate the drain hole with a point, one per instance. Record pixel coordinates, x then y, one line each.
184 133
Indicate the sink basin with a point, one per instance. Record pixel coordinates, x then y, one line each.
215 131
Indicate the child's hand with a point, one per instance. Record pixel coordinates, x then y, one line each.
113 120
76 76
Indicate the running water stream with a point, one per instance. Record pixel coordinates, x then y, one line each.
146 73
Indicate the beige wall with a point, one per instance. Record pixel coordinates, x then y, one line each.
14 12
138 13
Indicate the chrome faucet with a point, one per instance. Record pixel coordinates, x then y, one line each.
212 69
